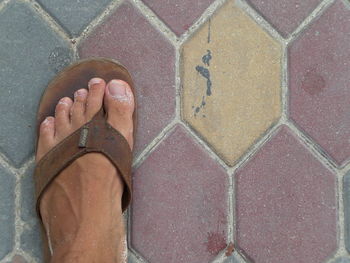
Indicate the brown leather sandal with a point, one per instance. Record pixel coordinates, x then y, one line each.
94 136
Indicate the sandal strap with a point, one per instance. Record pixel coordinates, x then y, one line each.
95 136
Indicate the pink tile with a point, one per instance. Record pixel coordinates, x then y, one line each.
319 65
179 15
285 204
128 37
285 15
179 211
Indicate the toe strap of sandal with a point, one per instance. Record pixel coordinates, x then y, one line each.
95 136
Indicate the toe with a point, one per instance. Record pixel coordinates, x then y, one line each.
119 102
62 118
95 98
46 137
78 108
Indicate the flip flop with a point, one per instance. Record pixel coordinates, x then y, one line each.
94 136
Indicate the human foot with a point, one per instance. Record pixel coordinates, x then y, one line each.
81 209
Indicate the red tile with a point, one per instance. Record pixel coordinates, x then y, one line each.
285 204
285 15
179 212
179 15
319 65
128 37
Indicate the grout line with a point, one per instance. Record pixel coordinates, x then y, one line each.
260 21
153 144
155 21
317 12
256 146
208 13
99 19
51 22
285 82
4 162
231 209
178 84
205 145
4 3
313 147
17 205
136 256
21 171
341 251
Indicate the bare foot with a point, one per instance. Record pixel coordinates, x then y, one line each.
81 209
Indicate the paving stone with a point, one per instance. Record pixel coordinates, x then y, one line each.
179 212
28 213
7 214
27 64
31 241
150 59
74 15
231 82
179 15
341 260
285 204
285 15
31 237
346 187
319 80
232 259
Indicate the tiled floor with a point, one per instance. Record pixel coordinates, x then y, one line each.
244 123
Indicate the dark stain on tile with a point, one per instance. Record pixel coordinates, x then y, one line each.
230 249
206 58
215 243
205 74
313 83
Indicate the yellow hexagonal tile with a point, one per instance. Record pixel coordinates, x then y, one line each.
231 78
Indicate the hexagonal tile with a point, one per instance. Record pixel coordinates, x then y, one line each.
285 15
179 212
231 82
319 80
151 60
31 54
285 204
7 211
31 237
179 15
341 260
74 15
346 196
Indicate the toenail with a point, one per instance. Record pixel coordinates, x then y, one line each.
80 93
94 81
47 121
117 90
63 101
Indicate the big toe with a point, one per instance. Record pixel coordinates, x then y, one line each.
119 103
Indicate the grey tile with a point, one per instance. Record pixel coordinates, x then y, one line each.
28 214
346 188
30 55
232 259
341 260
7 215
74 15
31 236
31 241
